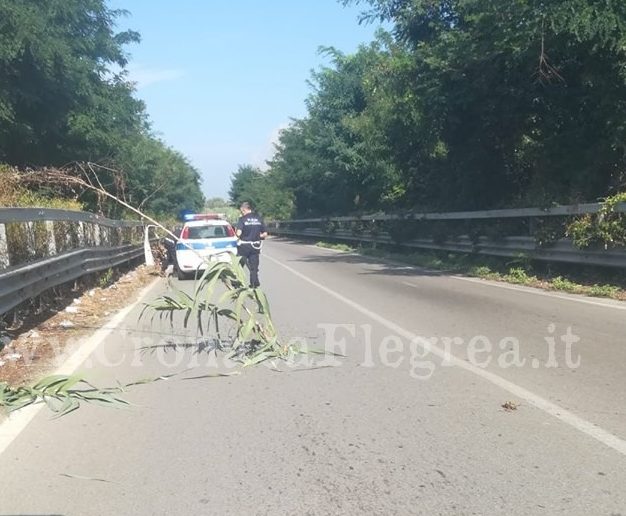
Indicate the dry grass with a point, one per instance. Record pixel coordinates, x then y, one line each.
33 348
15 195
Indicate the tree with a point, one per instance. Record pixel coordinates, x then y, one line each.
65 97
466 104
328 159
526 97
215 202
241 182
262 191
56 88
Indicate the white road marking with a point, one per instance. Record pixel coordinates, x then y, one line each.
496 284
564 415
531 290
18 421
618 305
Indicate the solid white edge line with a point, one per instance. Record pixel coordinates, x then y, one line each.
531 290
564 415
489 283
15 423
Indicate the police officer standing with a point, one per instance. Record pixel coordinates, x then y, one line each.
250 231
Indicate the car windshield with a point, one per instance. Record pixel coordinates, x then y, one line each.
197 232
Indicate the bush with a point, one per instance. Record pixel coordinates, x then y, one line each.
548 230
519 276
606 228
604 290
481 271
560 283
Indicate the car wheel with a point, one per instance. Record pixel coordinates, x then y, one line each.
182 276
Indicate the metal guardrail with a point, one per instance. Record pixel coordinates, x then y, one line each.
561 250
84 243
555 211
9 215
19 285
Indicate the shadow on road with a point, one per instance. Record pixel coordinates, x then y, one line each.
384 268
206 346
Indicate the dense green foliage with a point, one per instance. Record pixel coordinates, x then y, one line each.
465 104
607 228
65 97
222 206
251 185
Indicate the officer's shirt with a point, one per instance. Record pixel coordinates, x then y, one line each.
251 226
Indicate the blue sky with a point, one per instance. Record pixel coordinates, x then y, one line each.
220 79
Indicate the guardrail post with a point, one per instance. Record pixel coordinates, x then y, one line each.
52 247
30 239
4 249
81 234
96 234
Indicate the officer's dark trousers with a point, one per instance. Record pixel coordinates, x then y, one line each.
249 256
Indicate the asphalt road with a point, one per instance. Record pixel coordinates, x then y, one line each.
409 421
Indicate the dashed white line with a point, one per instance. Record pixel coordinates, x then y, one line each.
564 415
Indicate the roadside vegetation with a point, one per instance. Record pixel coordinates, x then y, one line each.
461 106
590 281
13 193
458 106
219 205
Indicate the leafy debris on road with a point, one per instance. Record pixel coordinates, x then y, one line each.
63 394
510 406
208 308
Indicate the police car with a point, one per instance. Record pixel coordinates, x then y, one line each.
204 238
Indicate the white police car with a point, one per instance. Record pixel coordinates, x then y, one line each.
203 239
